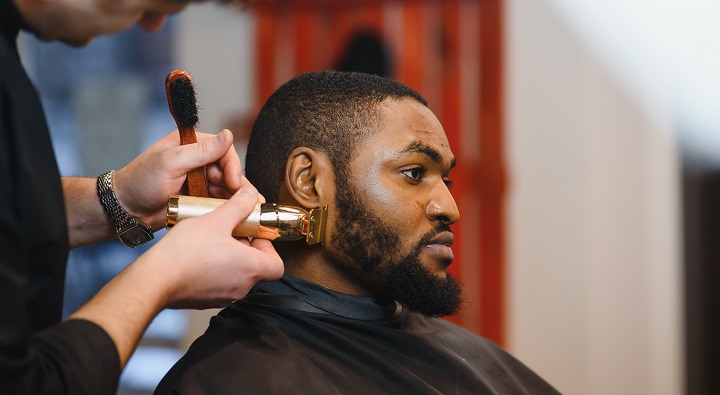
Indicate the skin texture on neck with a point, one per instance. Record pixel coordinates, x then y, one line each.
308 263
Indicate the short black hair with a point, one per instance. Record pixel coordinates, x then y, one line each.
329 111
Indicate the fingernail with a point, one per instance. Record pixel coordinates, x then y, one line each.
248 192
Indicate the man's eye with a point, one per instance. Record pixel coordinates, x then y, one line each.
448 182
415 173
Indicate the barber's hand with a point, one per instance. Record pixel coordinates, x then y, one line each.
202 265
143 186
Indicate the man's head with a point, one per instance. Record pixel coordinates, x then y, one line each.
327 111
369 148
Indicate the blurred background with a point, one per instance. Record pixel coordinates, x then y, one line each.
588 152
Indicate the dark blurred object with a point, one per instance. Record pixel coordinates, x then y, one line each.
701 198
366 53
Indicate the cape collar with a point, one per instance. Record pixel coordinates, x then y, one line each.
324 300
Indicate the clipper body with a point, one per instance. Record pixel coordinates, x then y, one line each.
267 221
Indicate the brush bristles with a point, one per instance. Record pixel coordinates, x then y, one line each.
182 94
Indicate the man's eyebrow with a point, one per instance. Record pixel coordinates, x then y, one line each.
422 148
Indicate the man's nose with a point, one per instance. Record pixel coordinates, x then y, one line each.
442 208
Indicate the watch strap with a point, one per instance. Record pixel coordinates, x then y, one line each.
119 217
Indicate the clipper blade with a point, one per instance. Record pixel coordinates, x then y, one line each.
316 225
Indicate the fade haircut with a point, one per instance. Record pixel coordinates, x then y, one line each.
328 111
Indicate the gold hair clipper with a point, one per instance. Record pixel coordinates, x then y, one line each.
268 221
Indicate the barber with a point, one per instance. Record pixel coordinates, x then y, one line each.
42 215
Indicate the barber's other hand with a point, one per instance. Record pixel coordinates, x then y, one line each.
201 265
143 186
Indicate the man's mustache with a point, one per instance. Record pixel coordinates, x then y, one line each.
432 234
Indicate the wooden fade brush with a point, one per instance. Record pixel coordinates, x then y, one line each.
183 107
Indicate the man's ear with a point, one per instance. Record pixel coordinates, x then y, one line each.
307 177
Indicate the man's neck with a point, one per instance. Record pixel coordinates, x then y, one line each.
312 264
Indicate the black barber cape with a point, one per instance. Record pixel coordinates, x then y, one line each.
38 354
296 337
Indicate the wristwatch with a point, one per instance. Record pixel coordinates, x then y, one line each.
131 231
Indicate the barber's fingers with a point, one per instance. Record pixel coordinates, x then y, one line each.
231 166
216 182
207 150
236 209
273 267
245 182
219 192
218 189
263 245
215 174
227 170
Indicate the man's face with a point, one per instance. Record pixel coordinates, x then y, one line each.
394 210
77 22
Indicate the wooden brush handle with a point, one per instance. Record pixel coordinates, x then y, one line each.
196 182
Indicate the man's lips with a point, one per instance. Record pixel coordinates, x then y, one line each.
439 246
443 239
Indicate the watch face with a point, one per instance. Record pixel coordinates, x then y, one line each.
136 235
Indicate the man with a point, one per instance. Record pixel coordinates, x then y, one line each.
199 264
358 314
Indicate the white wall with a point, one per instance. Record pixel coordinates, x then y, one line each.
594 253
215 44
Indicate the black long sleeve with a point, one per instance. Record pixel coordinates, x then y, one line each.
38 353
74 357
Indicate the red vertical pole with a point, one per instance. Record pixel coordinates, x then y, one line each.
411 65
305 43
372 17
341 28
264 52
451 116
492 170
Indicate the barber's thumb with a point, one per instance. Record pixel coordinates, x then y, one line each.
238 207
206 151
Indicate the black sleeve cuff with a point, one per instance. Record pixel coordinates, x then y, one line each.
84 355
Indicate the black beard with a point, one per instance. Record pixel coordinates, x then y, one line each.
365 239
418 289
